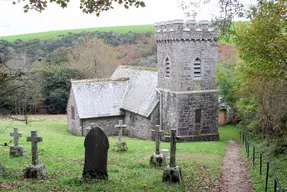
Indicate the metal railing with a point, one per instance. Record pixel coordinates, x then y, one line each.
276 184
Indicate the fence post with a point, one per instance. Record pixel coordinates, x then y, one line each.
253 156
247 149
261 158
275 185
267 174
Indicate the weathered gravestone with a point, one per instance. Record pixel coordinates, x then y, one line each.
158 159
36 170
96 155
120 144
172 173
16 150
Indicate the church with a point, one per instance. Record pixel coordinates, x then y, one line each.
180 94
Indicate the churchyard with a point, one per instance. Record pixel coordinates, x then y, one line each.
63 156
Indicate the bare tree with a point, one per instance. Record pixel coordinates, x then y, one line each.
93 58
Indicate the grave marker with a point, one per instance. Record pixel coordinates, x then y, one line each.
16 150
120 126
157 159
36 170
172 173
120 144
96 155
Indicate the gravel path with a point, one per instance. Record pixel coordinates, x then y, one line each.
234 175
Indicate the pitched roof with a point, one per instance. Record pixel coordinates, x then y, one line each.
140 96
98 97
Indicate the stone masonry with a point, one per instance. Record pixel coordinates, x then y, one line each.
187 55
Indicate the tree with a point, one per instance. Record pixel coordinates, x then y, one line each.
93 59
262 45
87 6
55 85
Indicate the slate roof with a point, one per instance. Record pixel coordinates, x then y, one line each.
140 96
99 97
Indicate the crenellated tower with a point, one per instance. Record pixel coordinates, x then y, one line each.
186 56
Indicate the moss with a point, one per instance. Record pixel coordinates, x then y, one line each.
120 146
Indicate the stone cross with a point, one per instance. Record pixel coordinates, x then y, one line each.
172 148
157 139
34 140
16 136
120 126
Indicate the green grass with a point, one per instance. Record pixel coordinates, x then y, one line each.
54 35
63 155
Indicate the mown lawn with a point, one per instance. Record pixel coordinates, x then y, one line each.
54 35
63 155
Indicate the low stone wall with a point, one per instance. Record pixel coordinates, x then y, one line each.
203 137
106 123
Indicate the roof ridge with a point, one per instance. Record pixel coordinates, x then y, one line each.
100 80
138 68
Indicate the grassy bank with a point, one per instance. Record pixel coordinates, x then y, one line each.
278 164
54 35
63 155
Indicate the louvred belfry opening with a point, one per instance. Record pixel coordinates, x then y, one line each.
197 68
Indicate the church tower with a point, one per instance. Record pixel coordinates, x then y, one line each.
186 57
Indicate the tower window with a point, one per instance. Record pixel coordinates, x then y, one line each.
167 67
197 68
197 116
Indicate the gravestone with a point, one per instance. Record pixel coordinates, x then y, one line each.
16 150
36 170
157 159
165 153
172 173
120 144
96 155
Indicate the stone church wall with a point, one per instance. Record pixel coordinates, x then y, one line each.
140 126
187 56
74 124
106 123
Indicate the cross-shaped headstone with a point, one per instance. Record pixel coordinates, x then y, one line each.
34 140
16 136
120 126
157 139
172 148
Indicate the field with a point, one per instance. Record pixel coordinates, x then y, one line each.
63 155
54 35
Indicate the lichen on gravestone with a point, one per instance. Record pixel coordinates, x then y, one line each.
120 146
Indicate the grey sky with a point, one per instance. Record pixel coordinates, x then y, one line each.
14 21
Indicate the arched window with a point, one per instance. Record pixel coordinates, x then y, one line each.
197 68
167 67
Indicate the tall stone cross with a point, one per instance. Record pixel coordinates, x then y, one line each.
172 173
34 140
120 126
172 148
16 136
157 139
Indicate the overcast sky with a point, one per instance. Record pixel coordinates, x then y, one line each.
14 21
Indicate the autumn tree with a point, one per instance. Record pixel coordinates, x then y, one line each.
93 59
262 45
87 6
